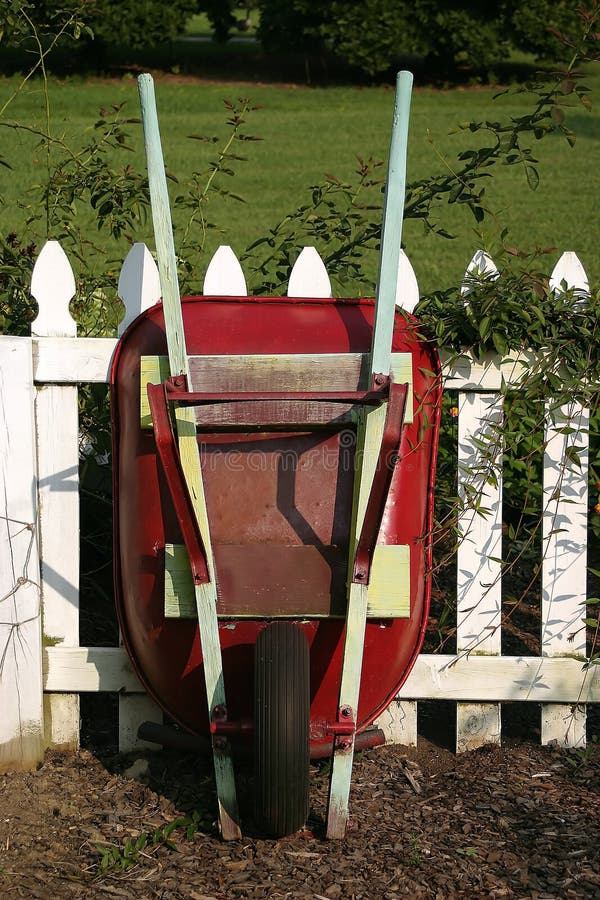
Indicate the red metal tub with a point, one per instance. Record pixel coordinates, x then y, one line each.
279 503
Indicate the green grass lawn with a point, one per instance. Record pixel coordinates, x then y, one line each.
308 132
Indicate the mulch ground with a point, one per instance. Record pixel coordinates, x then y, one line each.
517 821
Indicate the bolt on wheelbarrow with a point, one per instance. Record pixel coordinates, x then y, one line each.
274 463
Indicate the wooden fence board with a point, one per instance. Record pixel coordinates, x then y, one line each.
477 679
58 491
139 289
564 532
479 552
21 699
53 286
72 360
564 562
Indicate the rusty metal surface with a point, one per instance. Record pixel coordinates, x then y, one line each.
279 488
166 446
382 480
277 580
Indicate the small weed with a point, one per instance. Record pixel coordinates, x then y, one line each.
583 756
118 859
414 857
323 768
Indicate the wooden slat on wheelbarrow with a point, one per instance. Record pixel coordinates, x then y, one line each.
206 594
369 440
259 372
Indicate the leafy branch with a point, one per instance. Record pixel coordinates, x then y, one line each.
207 183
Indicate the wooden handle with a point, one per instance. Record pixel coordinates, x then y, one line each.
163 229
391 231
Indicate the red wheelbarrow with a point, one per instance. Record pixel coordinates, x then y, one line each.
274 462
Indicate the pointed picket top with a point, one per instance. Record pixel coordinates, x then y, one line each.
53 286
482 267
569 274
407 286
224 276
309 277
139 284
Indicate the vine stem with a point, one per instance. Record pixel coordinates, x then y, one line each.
237 123
41 59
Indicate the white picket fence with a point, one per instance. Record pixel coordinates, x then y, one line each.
42 667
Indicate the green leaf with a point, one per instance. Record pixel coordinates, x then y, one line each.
499 342
485 327
567 86
533 178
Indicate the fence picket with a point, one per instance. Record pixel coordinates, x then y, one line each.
480 526
399 721
139 284
21 698
479 552
482 266
569 274
53 286
407 286
564 562
139 289
309 277
224 276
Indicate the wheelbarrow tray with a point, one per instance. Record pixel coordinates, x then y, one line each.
279 498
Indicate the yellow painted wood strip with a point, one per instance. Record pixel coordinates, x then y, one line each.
388 594
153 370
401 371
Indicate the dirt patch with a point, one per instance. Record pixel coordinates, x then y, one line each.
521 821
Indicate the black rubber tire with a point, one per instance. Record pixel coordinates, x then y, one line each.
281 729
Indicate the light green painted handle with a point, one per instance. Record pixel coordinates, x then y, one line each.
369 435
185 421
391 232
163 229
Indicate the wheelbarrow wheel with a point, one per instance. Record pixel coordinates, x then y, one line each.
281 728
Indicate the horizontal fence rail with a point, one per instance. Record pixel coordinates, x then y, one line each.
43 671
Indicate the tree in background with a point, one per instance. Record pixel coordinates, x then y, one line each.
134 23
220 15
293 25
372 34
140 24
533 26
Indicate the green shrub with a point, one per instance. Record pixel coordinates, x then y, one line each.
373 34
135 23
292 25
524 20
